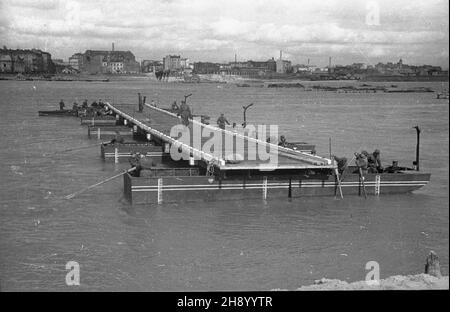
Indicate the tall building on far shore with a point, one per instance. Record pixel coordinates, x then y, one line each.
151 66
175 63
76 61
283 66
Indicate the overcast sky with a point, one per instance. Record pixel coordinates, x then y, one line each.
214 30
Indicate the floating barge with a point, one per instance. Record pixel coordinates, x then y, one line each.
123 151
202 175
99 120
109 132
178 184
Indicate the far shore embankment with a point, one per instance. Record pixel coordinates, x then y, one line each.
215 78
74 77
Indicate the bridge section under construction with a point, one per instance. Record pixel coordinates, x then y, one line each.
185 158
225 149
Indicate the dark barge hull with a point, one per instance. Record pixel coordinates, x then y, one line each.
59 113
153 190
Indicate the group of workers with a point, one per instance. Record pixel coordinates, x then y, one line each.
140 162
95 109
184 111
85 105
369 163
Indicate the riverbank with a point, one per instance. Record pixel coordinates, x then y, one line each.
397 282
431 279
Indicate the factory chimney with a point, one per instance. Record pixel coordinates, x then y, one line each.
112 46
329 62
281 55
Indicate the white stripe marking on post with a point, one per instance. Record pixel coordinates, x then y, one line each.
377 184
98 133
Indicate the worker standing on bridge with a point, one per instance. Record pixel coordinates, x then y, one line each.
185 113
341 163
175 108
377 161
85 104
283 142
361 162
61 105
75 107
221 121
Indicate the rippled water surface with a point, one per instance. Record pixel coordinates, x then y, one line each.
229 245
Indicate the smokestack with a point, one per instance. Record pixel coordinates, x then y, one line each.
235 59
281 55
308 62
329 62
112 47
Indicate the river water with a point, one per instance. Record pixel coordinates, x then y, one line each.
229 245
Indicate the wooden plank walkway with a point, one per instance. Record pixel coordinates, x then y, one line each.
159 122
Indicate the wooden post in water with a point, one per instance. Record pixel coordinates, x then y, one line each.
245 116
329 146
290 188
417 147
432 266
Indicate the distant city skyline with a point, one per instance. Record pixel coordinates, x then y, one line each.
349 31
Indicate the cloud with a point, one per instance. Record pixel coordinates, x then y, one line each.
215 30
